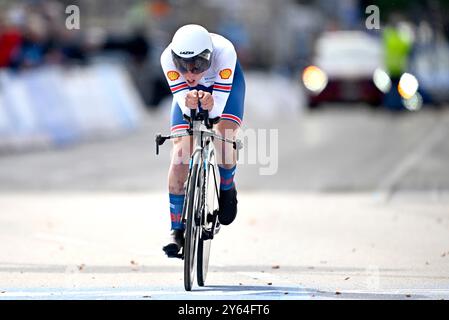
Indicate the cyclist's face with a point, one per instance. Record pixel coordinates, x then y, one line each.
192 78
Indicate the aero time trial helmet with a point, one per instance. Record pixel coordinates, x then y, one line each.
191 49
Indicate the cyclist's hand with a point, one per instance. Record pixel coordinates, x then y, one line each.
192 99
206 99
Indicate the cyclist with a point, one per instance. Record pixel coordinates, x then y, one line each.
203 72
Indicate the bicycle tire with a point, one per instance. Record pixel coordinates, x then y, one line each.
203 261
192 230
205 245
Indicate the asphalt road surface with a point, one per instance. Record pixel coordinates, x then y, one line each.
357 208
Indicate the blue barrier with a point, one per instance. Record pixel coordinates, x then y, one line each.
5 123
50 106
64 106
122 98
17 107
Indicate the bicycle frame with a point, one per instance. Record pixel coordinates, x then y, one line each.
203 145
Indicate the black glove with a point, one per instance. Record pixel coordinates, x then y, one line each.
214 120
186 117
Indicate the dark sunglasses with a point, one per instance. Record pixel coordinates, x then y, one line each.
196 65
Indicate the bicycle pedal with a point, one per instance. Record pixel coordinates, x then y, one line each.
216 222
210 218
179 256
207 235
217 227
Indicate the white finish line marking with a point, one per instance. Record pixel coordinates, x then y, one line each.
211 293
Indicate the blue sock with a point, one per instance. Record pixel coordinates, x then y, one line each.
227 177
176 205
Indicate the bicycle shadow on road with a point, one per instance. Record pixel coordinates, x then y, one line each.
270 292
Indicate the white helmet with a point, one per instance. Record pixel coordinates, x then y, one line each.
191 48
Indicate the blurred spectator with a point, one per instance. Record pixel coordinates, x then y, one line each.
137 46
35 44
10 40
398 44
73 48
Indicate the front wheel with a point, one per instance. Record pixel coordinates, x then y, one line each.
192 227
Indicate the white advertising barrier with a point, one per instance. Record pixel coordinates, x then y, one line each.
66 105
49 104
120 94
17 105
5 124
20 128
91 111
102 99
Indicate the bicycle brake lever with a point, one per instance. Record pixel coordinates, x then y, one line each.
237 145
158 137
159 141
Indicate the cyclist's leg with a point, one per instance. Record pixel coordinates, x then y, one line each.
182 149
227 156
231 121
227 160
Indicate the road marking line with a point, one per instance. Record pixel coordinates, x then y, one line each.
178 294
127 293
411 159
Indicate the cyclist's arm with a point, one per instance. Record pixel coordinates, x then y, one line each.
223 81
177 83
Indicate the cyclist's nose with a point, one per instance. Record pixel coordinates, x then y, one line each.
189 75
